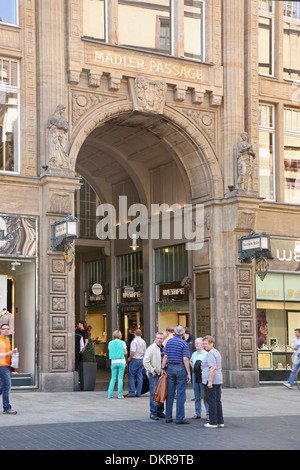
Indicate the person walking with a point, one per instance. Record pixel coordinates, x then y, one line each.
117 352
176 354
196 360
212 378
152 364
5 358
135 364
296 360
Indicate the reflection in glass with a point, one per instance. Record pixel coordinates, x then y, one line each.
292 155
266 173
8 11
193 29
291 50
94 19
145 25
8 131
265 45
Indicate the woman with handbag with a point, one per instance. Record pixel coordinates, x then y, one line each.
117 352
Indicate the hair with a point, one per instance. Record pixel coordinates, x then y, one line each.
179 330
4 324
199 339
170 328
138 332
159 333
297 329
117 334
187 330
210 339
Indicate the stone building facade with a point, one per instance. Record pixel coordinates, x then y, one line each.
97 119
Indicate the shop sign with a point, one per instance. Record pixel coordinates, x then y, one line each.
286 255
18 235
130 294
279 287
172 292
141 63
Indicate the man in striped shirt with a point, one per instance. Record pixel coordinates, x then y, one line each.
176 354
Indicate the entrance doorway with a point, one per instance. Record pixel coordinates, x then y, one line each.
130 318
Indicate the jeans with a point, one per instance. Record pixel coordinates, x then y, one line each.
135 370
154 408
6 385
292 376
213 396
198 397
177 377
117 370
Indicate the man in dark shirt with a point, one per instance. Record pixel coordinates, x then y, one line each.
176 353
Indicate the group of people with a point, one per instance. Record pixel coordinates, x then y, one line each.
183 359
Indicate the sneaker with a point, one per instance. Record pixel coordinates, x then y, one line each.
9 412
287 385
221 425
207 425
120 397
196 417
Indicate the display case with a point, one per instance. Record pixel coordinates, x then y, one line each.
95 314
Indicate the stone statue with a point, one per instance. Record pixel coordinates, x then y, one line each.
57 138
245 157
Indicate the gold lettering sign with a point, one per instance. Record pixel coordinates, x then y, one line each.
144 64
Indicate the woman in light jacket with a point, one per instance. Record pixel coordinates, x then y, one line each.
117 352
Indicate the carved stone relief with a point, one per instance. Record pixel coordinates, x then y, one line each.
149 95
204 120
60 203
245 318
83 102
58 128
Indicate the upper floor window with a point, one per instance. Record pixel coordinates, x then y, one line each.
266 151
292 155
94 19
291 40
9 11
266 20
194 29
9 115
145 25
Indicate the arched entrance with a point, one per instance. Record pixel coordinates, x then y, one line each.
149 159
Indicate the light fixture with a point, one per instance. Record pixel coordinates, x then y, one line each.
14 264
64 231
134 244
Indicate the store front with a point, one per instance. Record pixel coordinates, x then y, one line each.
18 292
278 311
172 297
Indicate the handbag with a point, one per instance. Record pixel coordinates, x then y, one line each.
161 391
14 362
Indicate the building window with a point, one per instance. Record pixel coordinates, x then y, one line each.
85 209
154 25
266 151
94 19
9 115
292 155
291 40
194 29
9 11
266 19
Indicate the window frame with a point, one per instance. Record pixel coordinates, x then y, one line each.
17 16
289 132
271 130
271 16
15 90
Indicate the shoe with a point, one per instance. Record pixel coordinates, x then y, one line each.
196 417
161 415
169 421
120 397
287 385
128 396
109 398
9 412
184 421
221 425
154 417
207 425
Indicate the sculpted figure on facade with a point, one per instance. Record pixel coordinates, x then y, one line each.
245 158
57 139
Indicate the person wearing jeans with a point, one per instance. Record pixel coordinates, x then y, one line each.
176 354
5 354
212 378
135 364
152 364
117 351
296 361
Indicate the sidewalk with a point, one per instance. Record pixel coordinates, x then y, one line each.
257 418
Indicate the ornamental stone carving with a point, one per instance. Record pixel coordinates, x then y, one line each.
245 159
150 95
58 127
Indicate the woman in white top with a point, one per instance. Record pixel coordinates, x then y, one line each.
117 351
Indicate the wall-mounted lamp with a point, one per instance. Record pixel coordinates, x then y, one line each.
134 244
63 234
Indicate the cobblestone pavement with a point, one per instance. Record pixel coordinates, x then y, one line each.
265 418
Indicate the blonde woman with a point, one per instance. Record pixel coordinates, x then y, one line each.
117 352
